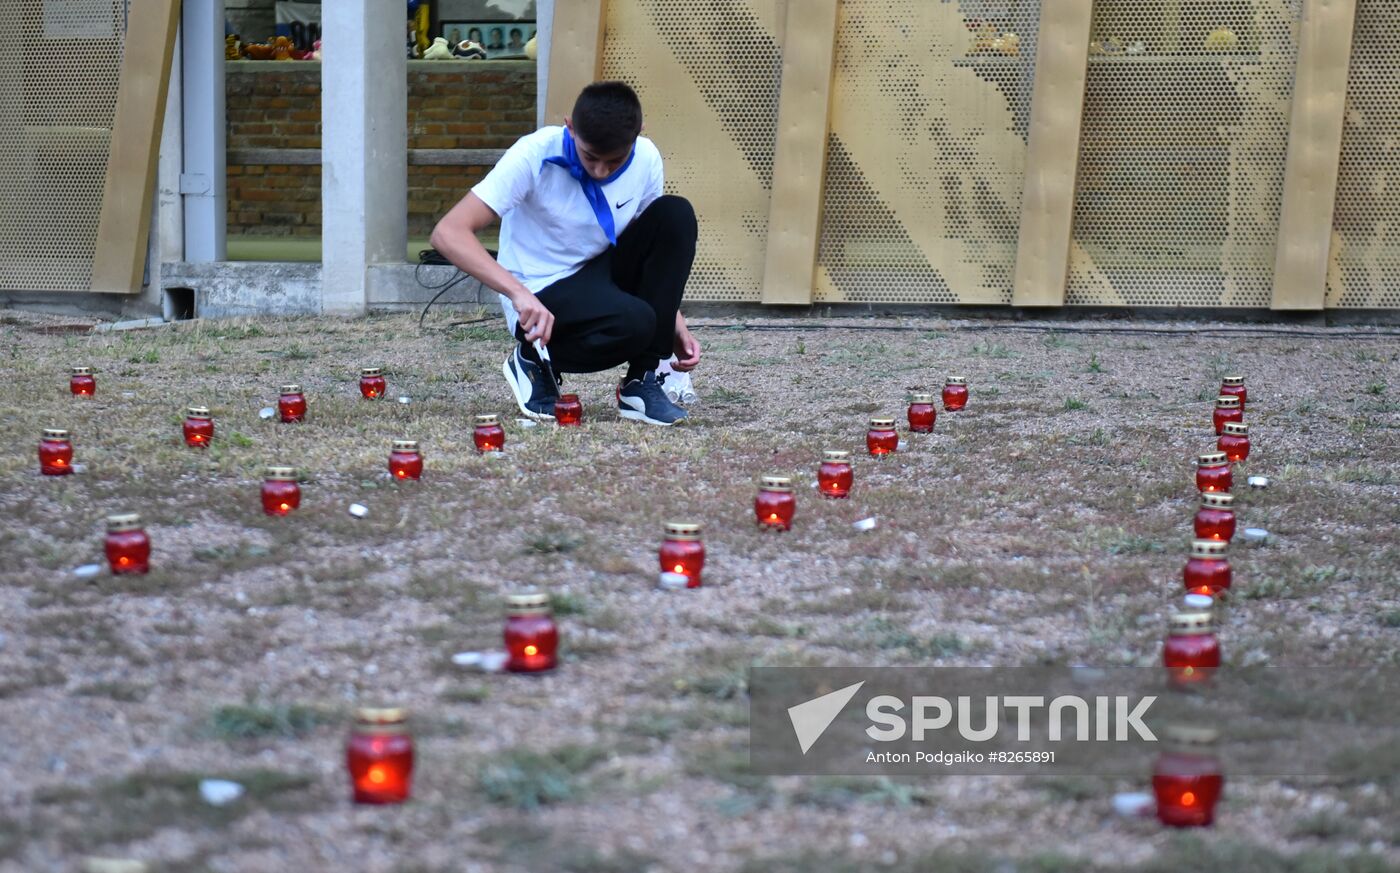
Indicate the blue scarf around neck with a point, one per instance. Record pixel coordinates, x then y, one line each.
592 188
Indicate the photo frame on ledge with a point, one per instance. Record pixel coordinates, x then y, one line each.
502 40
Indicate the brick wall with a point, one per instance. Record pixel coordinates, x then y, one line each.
451 105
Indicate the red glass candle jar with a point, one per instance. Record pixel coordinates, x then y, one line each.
1227 409
127 546
1215 520
682 552
568 411
291 404
1233 386
379 756
1186 778
280 491
1207 571
82 383
834 476
881 439
922 413
1234 441
55 452
405 461
489 435
198 427
1213 472
955 393
532 639
1191 653
372 384
775 504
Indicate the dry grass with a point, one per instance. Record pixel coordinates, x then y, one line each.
1046 524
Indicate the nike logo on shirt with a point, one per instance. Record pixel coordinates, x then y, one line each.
625 202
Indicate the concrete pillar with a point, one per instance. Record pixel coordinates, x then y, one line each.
544 30
364 147
169 240
203 181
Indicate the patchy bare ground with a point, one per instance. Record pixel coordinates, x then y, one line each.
1046 524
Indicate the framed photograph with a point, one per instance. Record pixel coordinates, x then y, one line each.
503 40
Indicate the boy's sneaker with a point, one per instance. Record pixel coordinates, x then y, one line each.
535 392
645 400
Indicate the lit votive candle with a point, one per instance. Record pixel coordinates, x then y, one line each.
1187 779
1215 519
379 756
488 434
568 411
291 404
881 439
1213 472
531 637
1234 441
682 552
775 504
1207 570
405 460
372 385
1191 653
280 491
1233 386
82 383
198 427
1227 409
55 452
835 476
127 546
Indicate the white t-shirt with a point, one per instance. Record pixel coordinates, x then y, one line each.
548 229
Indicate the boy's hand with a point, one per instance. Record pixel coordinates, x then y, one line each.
535 318
687 349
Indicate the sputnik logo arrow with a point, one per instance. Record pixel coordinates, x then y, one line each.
811 719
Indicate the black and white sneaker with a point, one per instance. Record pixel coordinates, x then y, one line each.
535 392
645 400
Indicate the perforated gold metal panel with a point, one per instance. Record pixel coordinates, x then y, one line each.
59 68
926 156
1182 153
1365 268
708 74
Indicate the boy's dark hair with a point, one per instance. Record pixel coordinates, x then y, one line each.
607 116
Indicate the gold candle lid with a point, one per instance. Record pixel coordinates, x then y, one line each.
775 483
956 380
1218 500
406 445
682 530
281 474
371 371
290 388
1227 401
1232 380
1236 428
82 371
386 719
528 603
198 412
1208 548
836 456
1212 459
1190 735
124 521
1190 624
882 422
921 398
56 433
485 420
